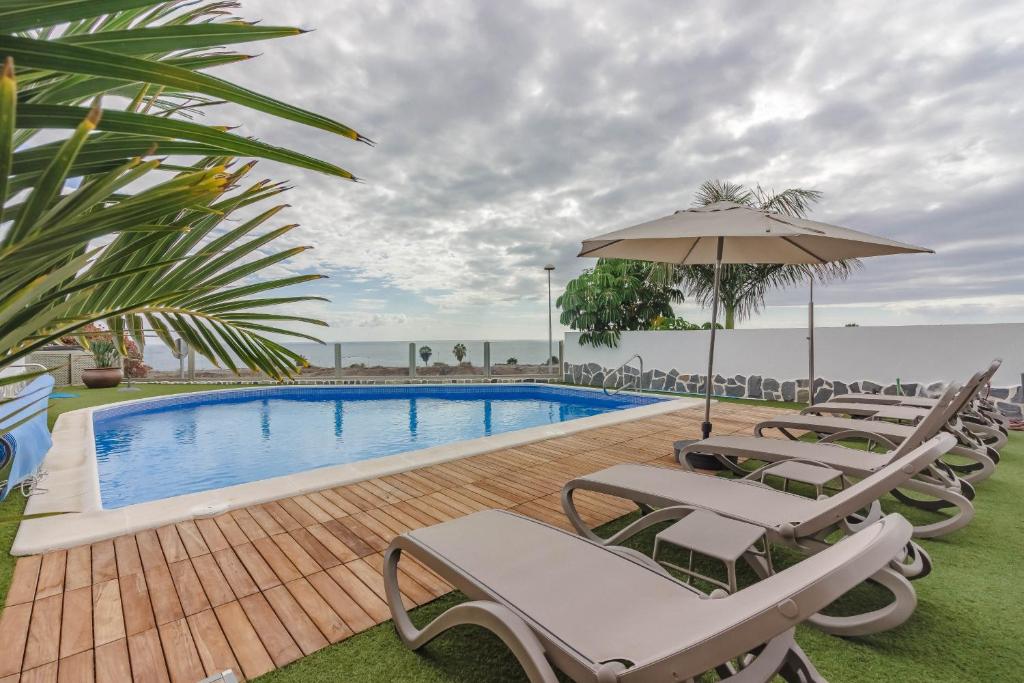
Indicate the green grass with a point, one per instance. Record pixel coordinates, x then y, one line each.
968 624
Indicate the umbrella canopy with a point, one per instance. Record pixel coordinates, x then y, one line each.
691 237
727 232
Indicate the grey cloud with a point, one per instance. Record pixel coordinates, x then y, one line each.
510 131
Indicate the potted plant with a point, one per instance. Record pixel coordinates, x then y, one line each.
107 372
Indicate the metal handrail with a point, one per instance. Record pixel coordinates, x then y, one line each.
640 385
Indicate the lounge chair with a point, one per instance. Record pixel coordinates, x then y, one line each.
891 434
602 614
940 484
982 409
975 426
797 522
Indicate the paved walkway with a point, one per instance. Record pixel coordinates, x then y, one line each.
257 588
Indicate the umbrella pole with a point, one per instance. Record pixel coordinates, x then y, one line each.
705 428
810 346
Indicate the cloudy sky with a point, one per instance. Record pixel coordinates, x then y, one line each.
509 131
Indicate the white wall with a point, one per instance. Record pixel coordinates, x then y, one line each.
914 353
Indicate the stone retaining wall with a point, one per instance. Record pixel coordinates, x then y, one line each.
1009 399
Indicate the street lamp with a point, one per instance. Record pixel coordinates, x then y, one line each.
549 267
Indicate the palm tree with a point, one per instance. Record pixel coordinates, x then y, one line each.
459 351
97 228
745 286
425 353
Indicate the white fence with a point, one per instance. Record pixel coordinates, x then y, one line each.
916 355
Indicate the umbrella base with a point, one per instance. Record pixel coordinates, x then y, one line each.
697 460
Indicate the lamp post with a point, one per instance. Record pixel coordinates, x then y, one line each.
549 267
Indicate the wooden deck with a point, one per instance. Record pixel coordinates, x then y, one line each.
257 588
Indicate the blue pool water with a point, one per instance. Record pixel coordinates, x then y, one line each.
183 444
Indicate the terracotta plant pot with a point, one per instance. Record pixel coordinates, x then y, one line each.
101 378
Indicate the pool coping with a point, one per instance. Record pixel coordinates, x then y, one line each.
71 485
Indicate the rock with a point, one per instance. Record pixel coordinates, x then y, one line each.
855 388
754 386
870 387
1018 396
789 391
1010 409
910 388
1000 392
769 384
801 395
735 390
597 379
731 382
890 390
801 382
740 379
838 388
593 367
823 394
719 379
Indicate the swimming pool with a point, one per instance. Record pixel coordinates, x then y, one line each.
154 449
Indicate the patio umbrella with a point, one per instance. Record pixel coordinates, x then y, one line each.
726 232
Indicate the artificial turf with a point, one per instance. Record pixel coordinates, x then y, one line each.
969 623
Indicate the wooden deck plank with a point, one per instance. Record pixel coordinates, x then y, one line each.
79 568
327 621
14 624
127 552
262 573
47 673
191 538
147 657
302 560
281 516
235 573
247 647
212 535
266 522
190 591
347 536
170 541
150 551
43 643
51 574
314 548
138 614
163 596
211 644
367 600
298 624
23 583
76 622
77 668
338 549
215 585
282 566
296 512
107 614
112 663
332 496
354 616
373 580
314 510
279 644
229 527
329 506
248 525
183 662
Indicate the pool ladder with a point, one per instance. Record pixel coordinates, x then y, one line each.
640 385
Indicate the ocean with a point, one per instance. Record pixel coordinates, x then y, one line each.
385 353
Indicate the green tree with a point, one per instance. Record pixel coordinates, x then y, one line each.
617 295
459 351
744 286
98 228
425 353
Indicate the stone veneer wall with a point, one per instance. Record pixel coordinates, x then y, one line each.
1010 400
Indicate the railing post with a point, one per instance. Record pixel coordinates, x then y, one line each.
191 364
487 359
337 360
412 359
561 360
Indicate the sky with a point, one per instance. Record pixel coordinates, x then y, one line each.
509 131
